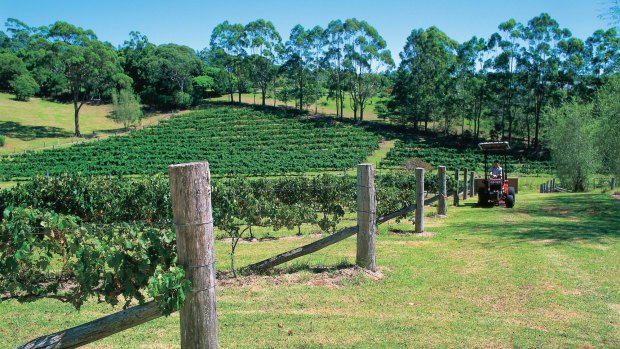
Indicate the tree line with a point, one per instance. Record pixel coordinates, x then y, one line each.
500 85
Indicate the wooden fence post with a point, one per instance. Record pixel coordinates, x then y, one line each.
542 188
465 184
366 217
472 187
190 189
442 208
419 195
456 193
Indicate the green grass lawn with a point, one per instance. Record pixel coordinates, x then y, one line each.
41 123
544 274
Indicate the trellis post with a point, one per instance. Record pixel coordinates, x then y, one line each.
190 189
442 208
419 194
366 217
465 184
472 191
458 184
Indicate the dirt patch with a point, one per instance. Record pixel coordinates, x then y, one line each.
616 196
424 234
543 242
319 277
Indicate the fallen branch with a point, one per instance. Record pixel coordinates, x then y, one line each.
97 329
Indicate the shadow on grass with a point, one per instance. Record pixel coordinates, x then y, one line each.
583 217
27 133
304 266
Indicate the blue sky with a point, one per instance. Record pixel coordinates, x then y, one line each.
190 22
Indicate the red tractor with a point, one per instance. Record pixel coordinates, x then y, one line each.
496 188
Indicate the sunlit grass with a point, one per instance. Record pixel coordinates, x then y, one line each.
543 274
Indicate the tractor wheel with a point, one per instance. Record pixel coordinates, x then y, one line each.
511 191
483 200
510 201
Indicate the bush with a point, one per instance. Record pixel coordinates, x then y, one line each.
183 100
607 110
126 107
572 141
24 87
2 140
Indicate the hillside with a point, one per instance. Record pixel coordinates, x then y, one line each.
253 141
235 140
41 123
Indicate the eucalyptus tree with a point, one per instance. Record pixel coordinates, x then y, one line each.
316 47
334 58
507 45
11 67
298 53
171 69
90 67
602 51
135 53
541 57
5 41
365 55
264 43
228 44
472 69
424 76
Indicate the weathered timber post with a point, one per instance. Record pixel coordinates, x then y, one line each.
190 189
419 195
549 188
442 208
472 191
366 217
456 193
465 184
542 188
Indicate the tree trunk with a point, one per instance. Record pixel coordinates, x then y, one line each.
76 114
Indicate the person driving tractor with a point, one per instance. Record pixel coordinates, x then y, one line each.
496 170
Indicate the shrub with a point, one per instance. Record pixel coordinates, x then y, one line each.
24 87
183 100
126 107
2 140
572 141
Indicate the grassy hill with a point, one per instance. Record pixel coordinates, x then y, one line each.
244 140
235 140
41 123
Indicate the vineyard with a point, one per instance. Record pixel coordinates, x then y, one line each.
438 153
233 140
72 237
